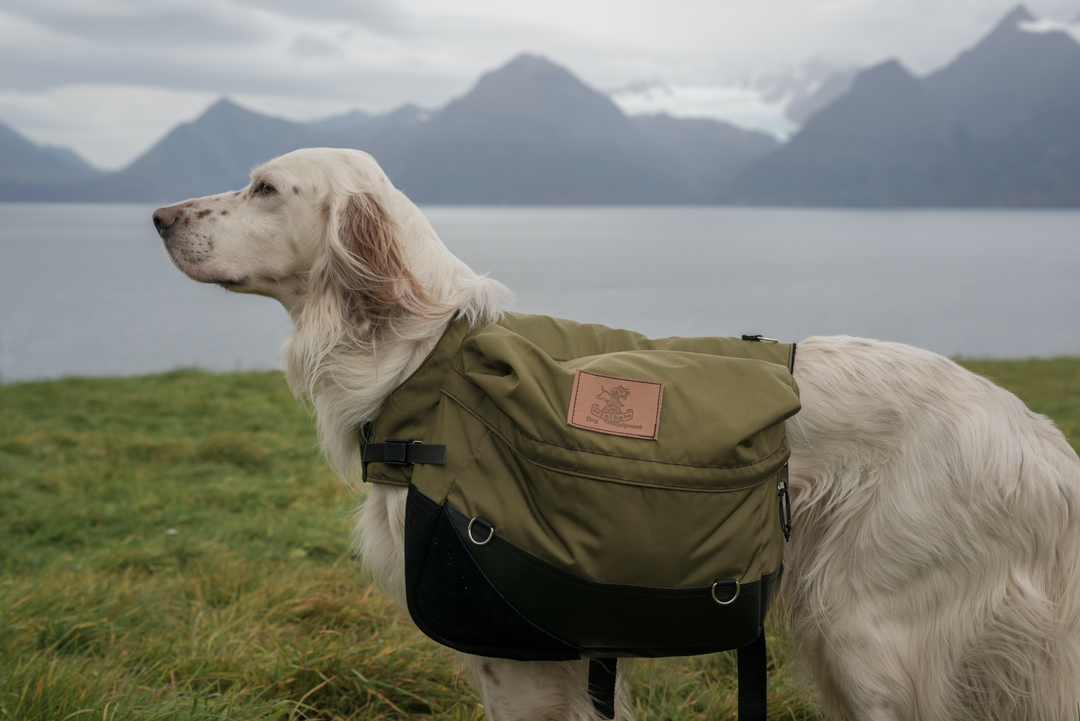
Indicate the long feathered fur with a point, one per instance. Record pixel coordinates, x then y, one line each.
933 573
933 569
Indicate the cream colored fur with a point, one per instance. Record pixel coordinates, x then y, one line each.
933 568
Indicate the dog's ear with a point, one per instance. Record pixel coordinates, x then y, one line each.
369 269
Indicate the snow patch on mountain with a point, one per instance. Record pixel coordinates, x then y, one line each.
741 105
777 102
1041 27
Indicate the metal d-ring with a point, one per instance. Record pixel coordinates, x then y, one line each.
491 532
725 603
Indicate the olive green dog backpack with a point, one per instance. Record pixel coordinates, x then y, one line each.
576 491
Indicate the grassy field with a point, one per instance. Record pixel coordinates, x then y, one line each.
171 547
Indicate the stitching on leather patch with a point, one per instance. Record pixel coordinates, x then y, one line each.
619 406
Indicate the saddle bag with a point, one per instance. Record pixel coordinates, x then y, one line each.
576 491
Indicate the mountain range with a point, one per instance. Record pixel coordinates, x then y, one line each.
527 133
999 125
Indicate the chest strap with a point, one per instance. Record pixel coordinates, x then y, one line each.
403 453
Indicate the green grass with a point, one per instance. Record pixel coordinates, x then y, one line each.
172 547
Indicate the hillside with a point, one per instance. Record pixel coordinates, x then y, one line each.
28 170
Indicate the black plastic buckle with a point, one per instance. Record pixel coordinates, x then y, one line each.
396 452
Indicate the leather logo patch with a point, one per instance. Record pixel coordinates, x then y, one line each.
619 406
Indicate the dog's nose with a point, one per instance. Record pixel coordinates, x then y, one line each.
164 219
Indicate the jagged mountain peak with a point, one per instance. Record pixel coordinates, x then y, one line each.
223 103
224 106
533 90
225 109
529 74
888 73
528 64
525 73
886 104
1016 16
1005 36
1007 76
535 86
885 96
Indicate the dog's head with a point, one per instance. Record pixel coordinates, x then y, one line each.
318 229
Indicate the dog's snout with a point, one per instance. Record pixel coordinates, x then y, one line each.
164 218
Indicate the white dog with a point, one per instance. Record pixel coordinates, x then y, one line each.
932 572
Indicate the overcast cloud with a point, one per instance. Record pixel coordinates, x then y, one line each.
109 78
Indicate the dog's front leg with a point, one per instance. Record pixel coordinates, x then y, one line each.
509 690
536 690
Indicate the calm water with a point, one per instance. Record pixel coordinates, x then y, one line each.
88 290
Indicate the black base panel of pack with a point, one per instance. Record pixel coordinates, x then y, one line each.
452 602
618 620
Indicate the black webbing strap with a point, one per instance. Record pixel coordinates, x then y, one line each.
753 682
403 453
602 673
753 685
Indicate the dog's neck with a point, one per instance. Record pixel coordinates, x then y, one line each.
347 374
349 383
349 380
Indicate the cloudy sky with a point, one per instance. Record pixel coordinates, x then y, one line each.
110 77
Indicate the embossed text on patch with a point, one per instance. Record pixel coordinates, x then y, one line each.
619 406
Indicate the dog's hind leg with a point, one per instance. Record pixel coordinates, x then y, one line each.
865 670
1026 663
536 690
878 670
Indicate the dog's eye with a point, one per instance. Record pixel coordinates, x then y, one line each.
265 189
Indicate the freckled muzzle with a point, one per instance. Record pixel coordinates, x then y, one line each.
184 242
168 219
